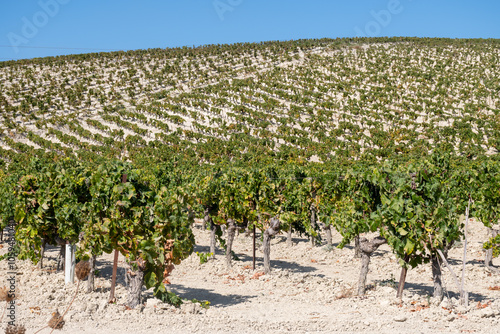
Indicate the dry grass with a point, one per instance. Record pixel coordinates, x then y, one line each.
56 322
346 292
4 295
18 329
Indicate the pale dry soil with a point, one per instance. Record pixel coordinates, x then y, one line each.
310 290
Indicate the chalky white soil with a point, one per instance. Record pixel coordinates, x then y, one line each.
308 292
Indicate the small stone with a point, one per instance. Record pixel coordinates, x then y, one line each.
400 318
72 315
387 290
450 318
385 302
92 308
396 301
149 310
103 305
82 308
487 313
152 302
445 304
435 301
187 307
197 308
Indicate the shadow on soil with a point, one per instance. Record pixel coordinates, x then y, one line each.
215 299
458 262
426 289
104 267
248 259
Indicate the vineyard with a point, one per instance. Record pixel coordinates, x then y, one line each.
373 146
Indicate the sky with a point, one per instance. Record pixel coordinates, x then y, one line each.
40 28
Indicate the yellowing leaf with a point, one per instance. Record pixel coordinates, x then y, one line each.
410 245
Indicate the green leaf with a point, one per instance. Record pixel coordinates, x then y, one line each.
20 215
150 279
402 232
410 245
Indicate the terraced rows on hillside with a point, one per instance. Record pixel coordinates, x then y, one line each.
310 99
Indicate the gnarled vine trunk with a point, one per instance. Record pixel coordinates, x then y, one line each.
268 234
135 281
363 274
248 231
436 277
61 257
437 272
206 219
488 257
191 215
213 231
357 249
367 248
42 252
313 223
328 232
231 231
90 282
289 241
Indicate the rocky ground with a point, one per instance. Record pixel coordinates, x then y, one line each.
311 290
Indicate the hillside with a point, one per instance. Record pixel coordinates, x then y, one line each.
307 99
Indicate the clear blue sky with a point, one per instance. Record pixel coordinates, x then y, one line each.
37 28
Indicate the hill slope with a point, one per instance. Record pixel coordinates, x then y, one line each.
308 99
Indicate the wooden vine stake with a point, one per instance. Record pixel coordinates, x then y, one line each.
449 268
464 296
402 278
112 298
253 246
